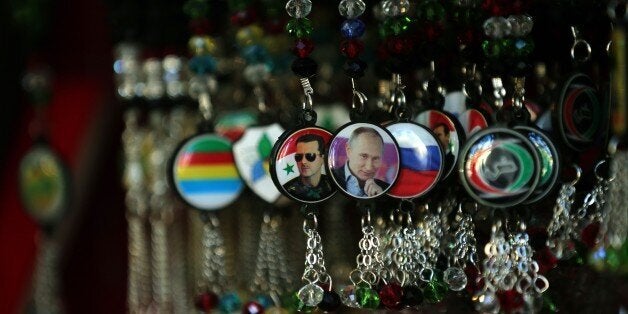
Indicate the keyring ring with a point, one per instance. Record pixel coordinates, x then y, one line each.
597 174
576 44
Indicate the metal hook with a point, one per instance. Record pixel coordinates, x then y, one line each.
308 103
361 100
597 173
578 174
578 42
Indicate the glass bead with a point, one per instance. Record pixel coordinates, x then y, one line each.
523 47
200 45
431 11
230 302
355 68
290 301
299 28
497 27
311 294
367 297
395 26
303 47
390 295
204 64
398 46
255 54
244 17
393 8
265 300
353 28
589 234
348 297
351 9
206 301
299 8
249 35
252 308
521 25
486 302
434 291
255 74
351 48
455 278
510 300
330 302
412 296
304 67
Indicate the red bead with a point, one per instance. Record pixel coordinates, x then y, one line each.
244 17
275 26
323 285
545 259
303 47
472 279
200 26
252 308
351 48
398 46
433 31
519 7
497 7
510 300
466 37
206 301
589 234
390 295
382 51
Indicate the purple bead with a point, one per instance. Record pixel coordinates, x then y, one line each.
352 28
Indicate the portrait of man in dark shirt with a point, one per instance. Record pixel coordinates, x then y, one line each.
311 184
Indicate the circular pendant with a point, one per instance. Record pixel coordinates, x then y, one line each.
296 165
252 157
363 159
44 184
203 172
422 161
579 113
499 167
449 133
548 162
472 120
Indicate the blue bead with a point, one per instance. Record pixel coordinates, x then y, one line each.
352 28
202 65
255 54
264 300
230 302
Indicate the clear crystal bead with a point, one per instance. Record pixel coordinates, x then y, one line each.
351 8
311 294
455 278
348 297
393 8
299 8
497 27
486 302
521 25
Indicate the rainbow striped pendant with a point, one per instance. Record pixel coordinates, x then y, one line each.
203 172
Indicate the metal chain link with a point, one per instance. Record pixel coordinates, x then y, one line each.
369 260
213 269
46 296
463 249
314 263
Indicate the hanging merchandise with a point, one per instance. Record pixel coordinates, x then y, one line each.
562 228
44 186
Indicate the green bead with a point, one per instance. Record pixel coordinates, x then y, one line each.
238 5
367 297
299 28
196 8
523 47
465 16
291 302
395 26
435 291
431 11
549 306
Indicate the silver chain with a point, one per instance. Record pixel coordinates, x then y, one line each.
464 247
314 260
369 260
46 297
213 258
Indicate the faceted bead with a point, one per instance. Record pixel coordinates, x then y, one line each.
398 46
395 26
303 47
472 274
395 7
497 7
431 11
352 28
455 278
466 36
355 68
348 297
486 302
412 296
299 8
274 26
244 17
252 308
597 258
510 300
351 9
255 54
545 259
230 302
265 300
206 301
299 28
249 35
434 291
391 295
521 25
200 45
202 65
330 302
367 297
433 31
304 67
311 294
523 47
351 48
497 27
589 234
290 301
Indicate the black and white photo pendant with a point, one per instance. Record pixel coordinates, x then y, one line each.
579 113
449 132
44 184
549 161
252 154
421 160
363 158
297 162
499 167
203 172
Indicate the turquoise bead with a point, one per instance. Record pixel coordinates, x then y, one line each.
230 302
202 65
